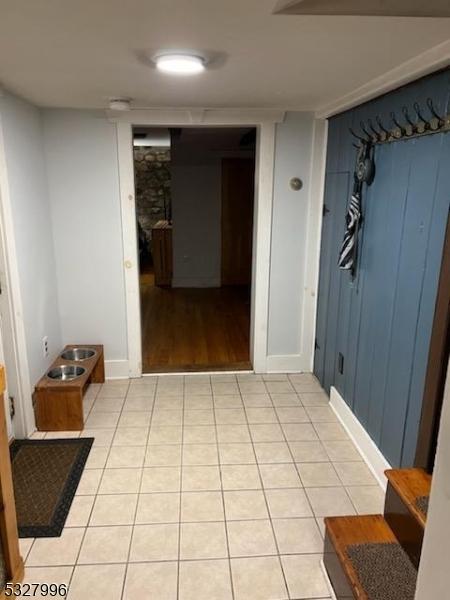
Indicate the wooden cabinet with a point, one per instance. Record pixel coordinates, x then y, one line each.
162 253
11 564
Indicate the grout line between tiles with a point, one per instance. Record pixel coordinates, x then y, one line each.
267 508
138 494
223 504
89 517
180 498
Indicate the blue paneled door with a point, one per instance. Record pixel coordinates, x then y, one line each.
381 321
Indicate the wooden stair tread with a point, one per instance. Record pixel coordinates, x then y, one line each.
411 484
347 531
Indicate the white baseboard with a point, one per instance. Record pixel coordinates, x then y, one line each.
289 363
116 369
196 282
366 446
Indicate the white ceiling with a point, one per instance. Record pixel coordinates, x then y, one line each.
80 53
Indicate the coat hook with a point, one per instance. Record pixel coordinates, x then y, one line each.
426 124
366 133
385 132
440 122
400 131
410 130
358 137
376 134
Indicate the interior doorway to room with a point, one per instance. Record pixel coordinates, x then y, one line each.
194 207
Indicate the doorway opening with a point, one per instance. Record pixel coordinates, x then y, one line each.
194 190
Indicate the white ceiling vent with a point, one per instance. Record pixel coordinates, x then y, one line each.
367 8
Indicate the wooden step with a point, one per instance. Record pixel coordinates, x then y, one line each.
401 511
410 484
341 533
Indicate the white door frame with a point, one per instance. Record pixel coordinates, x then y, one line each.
265 123
17 369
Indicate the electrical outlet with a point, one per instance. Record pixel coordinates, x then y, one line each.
341 363
45 346
12 407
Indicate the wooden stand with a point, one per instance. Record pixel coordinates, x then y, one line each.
59 404
9 538
162 253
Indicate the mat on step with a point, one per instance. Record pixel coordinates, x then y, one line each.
422 504
384 571
46 474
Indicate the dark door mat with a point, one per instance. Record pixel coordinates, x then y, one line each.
46 474
384 571
422 504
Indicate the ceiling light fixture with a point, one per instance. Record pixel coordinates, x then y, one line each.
122 104
180 64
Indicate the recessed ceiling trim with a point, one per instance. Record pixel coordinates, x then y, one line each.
428 62
187 117
368 8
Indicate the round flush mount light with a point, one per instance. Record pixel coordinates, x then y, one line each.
180 64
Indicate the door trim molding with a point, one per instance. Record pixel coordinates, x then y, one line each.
265 123
130 247
24 423
313 240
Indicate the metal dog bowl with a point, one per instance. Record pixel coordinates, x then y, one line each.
66 372
78 354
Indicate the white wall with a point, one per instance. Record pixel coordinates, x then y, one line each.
291 211
433 572
83 182
82 168
81 154
26 180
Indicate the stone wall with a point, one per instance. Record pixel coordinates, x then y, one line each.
152 180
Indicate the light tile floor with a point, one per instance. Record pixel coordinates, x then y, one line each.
205 488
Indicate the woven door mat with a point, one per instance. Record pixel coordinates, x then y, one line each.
46 474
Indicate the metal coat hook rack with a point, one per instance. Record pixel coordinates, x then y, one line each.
406 127
368 136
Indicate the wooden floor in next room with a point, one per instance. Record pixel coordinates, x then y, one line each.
194 329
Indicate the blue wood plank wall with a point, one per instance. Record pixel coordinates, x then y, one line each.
381 321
